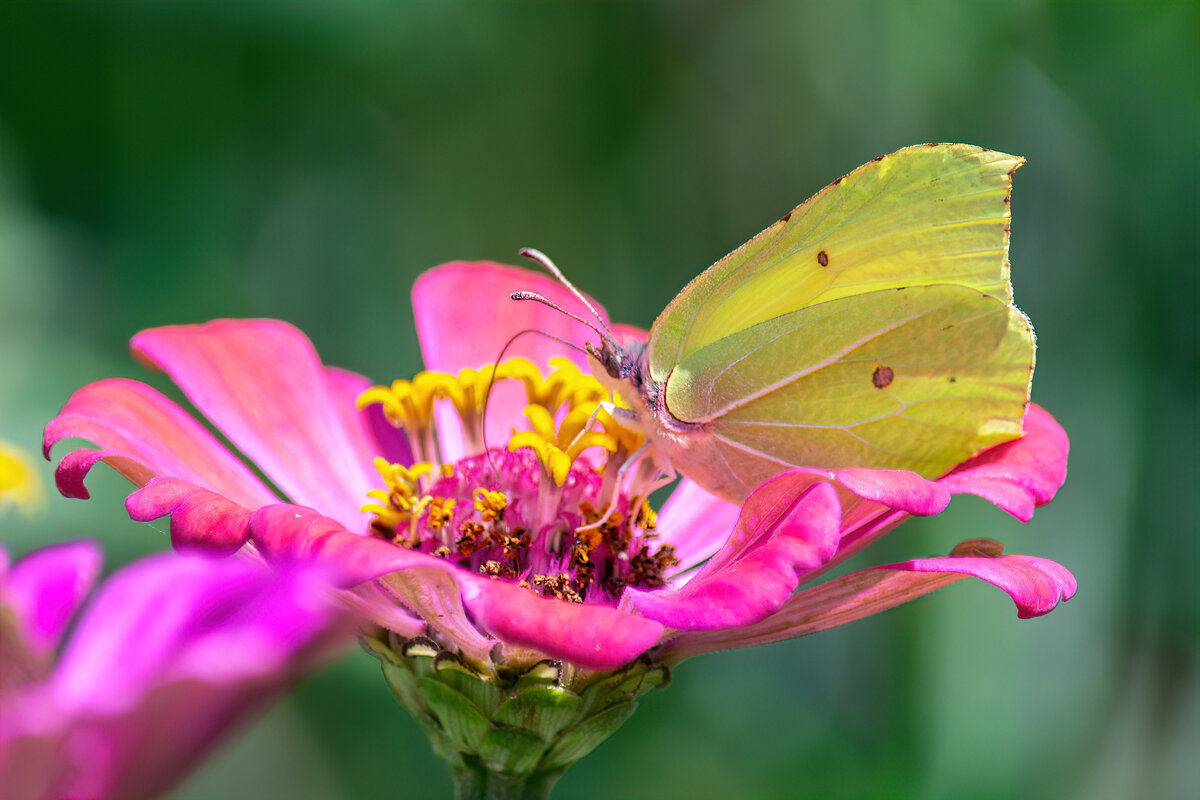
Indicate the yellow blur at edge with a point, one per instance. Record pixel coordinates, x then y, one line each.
19 482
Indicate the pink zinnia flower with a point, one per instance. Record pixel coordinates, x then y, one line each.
171 654
498 560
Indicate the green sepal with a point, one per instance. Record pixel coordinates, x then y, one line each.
511 750
543 710
509 729
463 722
585 737
479 689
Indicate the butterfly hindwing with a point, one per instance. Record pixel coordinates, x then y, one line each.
919 378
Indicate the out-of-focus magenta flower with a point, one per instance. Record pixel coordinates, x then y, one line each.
512 548
170 655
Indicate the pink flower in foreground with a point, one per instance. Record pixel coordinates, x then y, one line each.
169 656
495 561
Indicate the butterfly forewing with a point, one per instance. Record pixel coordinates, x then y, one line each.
924 215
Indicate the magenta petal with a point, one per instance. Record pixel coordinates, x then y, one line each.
899 490
261 382
199 518
778 538
1020 475
1036 585
170 654
696 523
75 466
143 433
427 585
591 636
835 602
160 617
288 534
594 636
45 588
293 534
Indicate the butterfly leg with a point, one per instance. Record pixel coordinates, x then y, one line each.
668 474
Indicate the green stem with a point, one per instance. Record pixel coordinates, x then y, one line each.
473 781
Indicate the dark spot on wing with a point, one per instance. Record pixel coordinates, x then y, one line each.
883 376
953 379
947 327
985 548
823 258
1007 230
1008 199
837 181
786 217
877 158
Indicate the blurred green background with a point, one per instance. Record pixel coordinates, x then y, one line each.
178 162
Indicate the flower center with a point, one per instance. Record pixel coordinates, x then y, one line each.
554 512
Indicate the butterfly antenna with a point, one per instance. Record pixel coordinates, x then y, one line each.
487 396
537 298
538 257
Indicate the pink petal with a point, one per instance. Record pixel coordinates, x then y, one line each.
371 602
287 533
45 588
874 501
835 602
433 594
291 534
863 496
696 522
629 334
370 433
142 433
464 317
591 636
199 518
1020 475
896 489
75 466
1036 585
778 538
261 382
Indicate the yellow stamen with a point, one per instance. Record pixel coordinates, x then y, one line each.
441 510
557 449
490 504
402 501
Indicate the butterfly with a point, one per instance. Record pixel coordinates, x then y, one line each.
872 326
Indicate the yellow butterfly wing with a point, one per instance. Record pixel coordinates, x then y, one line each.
871 327
923 215
920 378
